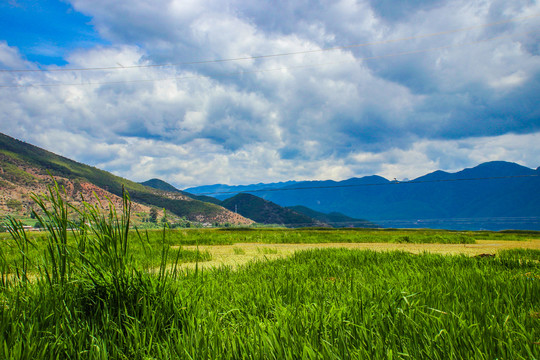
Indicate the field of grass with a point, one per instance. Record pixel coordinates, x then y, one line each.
332 303
145 246
230 236
89 295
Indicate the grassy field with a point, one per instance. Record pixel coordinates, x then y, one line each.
230 236
145 246
240 254
105 292
332 303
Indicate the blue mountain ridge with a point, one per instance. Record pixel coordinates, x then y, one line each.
494 195
222 191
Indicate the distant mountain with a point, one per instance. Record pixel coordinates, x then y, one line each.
160 185
25 168
222 191
334 219
485 170
266 212
165 186
494 195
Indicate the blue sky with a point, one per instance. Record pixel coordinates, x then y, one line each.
433 85
46 31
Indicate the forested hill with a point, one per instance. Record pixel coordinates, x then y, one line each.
25 168
266 212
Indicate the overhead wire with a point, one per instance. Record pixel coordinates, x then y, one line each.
525 220
178 78
255 57
394 182
419 223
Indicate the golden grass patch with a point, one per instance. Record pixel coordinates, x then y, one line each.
242 253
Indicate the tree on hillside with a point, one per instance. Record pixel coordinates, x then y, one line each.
153 215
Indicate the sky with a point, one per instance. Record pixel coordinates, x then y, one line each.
198 92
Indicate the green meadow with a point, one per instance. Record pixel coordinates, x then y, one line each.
101 290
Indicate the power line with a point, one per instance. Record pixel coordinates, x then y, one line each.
270 69
419 222
369 184
255 57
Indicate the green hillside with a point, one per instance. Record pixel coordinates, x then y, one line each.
266 212
165 186
17 156
160 185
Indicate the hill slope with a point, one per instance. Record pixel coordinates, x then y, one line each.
160 185
165 186
25 168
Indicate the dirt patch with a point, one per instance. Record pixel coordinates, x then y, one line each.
242 253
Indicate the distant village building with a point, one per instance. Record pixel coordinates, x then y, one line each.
30 228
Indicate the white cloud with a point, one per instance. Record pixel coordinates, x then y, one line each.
10 58
425 156
315 115
515 79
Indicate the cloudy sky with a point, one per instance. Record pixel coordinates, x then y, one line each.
233 91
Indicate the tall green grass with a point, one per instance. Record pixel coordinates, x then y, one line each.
84 284
520 254
73 234
91 299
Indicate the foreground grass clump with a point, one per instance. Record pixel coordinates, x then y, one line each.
79 296
89 300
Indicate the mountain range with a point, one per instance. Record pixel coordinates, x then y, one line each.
494 195
26 169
